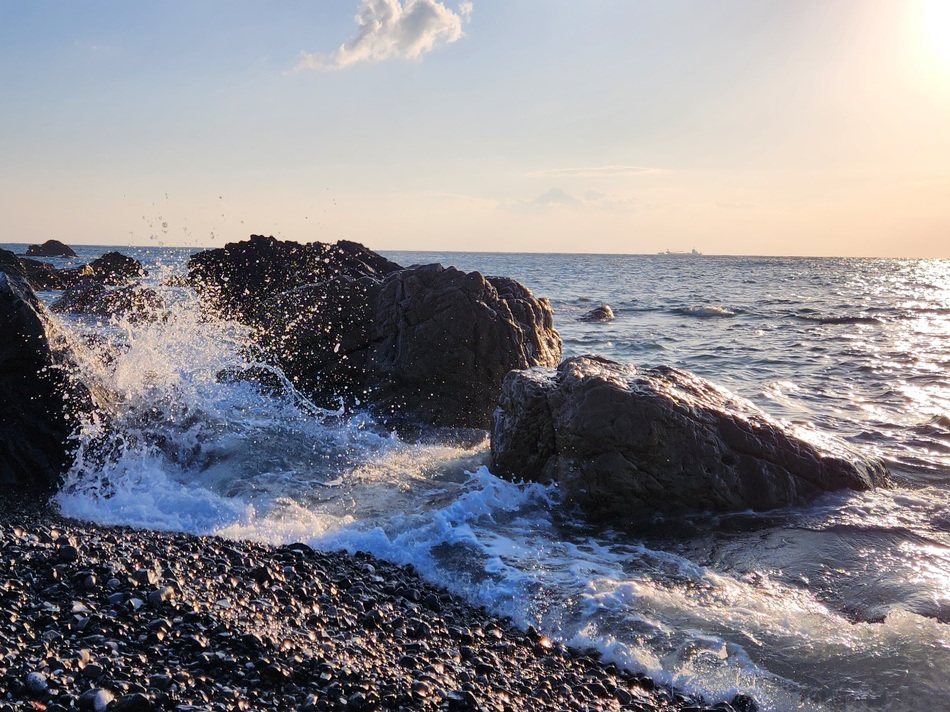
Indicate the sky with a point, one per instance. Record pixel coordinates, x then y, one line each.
768 127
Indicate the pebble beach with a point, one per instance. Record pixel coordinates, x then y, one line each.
112 618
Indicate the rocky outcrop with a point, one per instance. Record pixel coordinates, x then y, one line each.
425 344
50 248
37 397
89 296
241 277
114 269
443 340
42 275
624 443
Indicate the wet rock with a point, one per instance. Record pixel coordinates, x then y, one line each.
136 702
624 443
50 248
39 398
423 345
90 296
95 700
444 340
42 275
601 313
36 683
240 277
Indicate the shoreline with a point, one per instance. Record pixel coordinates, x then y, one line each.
123 619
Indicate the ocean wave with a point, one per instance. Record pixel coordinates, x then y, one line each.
705 311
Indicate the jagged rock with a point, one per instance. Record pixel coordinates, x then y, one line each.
42 275
425 344
601 313
242 276
114 269
37 397
444 340
319 335
90 296
625 443
50 248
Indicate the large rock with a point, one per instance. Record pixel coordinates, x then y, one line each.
624 443
43 276
50 248
37 396
113 269
242 276
89 296
443 340
424 344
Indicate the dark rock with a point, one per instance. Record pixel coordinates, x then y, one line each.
601 313
425 345
115 269
240 277
626 442
42 275
38 397
50 248
319 335
136 702
95 700
444 340
89 296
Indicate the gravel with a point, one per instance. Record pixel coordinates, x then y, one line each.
121 620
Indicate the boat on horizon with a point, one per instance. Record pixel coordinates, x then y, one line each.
692 253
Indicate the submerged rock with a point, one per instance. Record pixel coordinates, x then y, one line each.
624 443
50 248
38 398
601 313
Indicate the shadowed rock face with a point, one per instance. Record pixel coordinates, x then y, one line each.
444 340
36 397
427 345
50 248
624 443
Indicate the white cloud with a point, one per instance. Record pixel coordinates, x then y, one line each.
394 29
592 172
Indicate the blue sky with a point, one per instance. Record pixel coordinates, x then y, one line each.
734 126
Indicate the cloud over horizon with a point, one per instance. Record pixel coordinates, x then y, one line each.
394 29
592 172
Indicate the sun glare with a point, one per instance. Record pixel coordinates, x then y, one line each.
936 21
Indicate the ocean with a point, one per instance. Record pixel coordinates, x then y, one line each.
839 604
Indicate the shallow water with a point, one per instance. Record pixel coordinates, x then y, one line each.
843 604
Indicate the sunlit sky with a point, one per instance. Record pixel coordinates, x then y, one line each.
798 127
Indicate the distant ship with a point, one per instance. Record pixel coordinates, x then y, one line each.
692 253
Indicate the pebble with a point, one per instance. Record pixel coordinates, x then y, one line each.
198 623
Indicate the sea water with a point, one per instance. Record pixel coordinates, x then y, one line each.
840 604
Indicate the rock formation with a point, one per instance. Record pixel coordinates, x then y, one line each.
601 313
37 397
443 340
50 248
624 443
426 344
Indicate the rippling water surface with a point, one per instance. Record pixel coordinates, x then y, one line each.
843 604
